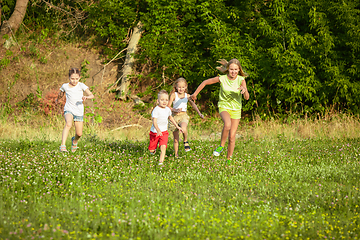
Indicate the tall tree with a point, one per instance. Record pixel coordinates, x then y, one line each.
9 27
127 69
302 55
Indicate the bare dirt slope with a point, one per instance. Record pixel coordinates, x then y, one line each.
41 69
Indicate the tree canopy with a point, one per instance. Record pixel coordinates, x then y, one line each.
301 56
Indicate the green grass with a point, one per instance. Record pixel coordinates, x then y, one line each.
273 189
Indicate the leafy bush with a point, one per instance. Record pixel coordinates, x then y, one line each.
301 56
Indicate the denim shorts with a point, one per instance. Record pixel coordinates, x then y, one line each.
76 118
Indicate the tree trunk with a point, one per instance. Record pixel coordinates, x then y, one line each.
123 87
10 26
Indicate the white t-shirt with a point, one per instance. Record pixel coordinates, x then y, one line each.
180 102
74 102
162 115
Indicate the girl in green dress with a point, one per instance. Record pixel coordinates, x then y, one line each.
232 87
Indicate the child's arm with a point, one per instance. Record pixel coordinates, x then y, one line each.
244 90
171 100
203 84
158 132
196 108
171 118
60 96
89 95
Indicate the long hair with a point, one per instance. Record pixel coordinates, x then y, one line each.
180 79
224 68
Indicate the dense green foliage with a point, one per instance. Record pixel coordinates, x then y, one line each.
273 189
301 56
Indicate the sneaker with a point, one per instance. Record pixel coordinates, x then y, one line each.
218 150
160 163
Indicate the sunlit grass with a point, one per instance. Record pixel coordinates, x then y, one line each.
38 127
49 128
273 189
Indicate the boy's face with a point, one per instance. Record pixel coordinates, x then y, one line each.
163 100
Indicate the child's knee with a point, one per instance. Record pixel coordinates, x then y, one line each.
227 126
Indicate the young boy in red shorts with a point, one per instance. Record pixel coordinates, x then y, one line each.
158 132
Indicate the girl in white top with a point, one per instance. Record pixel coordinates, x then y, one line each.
179 99
74 107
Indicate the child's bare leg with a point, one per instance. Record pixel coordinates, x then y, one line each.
232 137
162 154
176 142
68 123
78 131
225 116
185 132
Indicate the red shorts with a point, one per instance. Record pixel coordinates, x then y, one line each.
154 140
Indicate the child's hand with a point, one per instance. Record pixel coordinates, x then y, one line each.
177 110
180 129
84 98
242 89
159 134
202 116
193 97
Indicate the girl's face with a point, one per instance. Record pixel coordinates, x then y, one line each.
233 71
181 87
74 79
163 100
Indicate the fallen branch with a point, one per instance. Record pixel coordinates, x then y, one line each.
60 9
114 84
103 71
132 125
102 77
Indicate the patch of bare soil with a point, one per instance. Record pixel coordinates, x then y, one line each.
38 71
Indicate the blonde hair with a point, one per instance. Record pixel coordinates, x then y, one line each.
162 92
224 68
180 79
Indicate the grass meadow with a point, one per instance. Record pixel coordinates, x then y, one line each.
288 181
